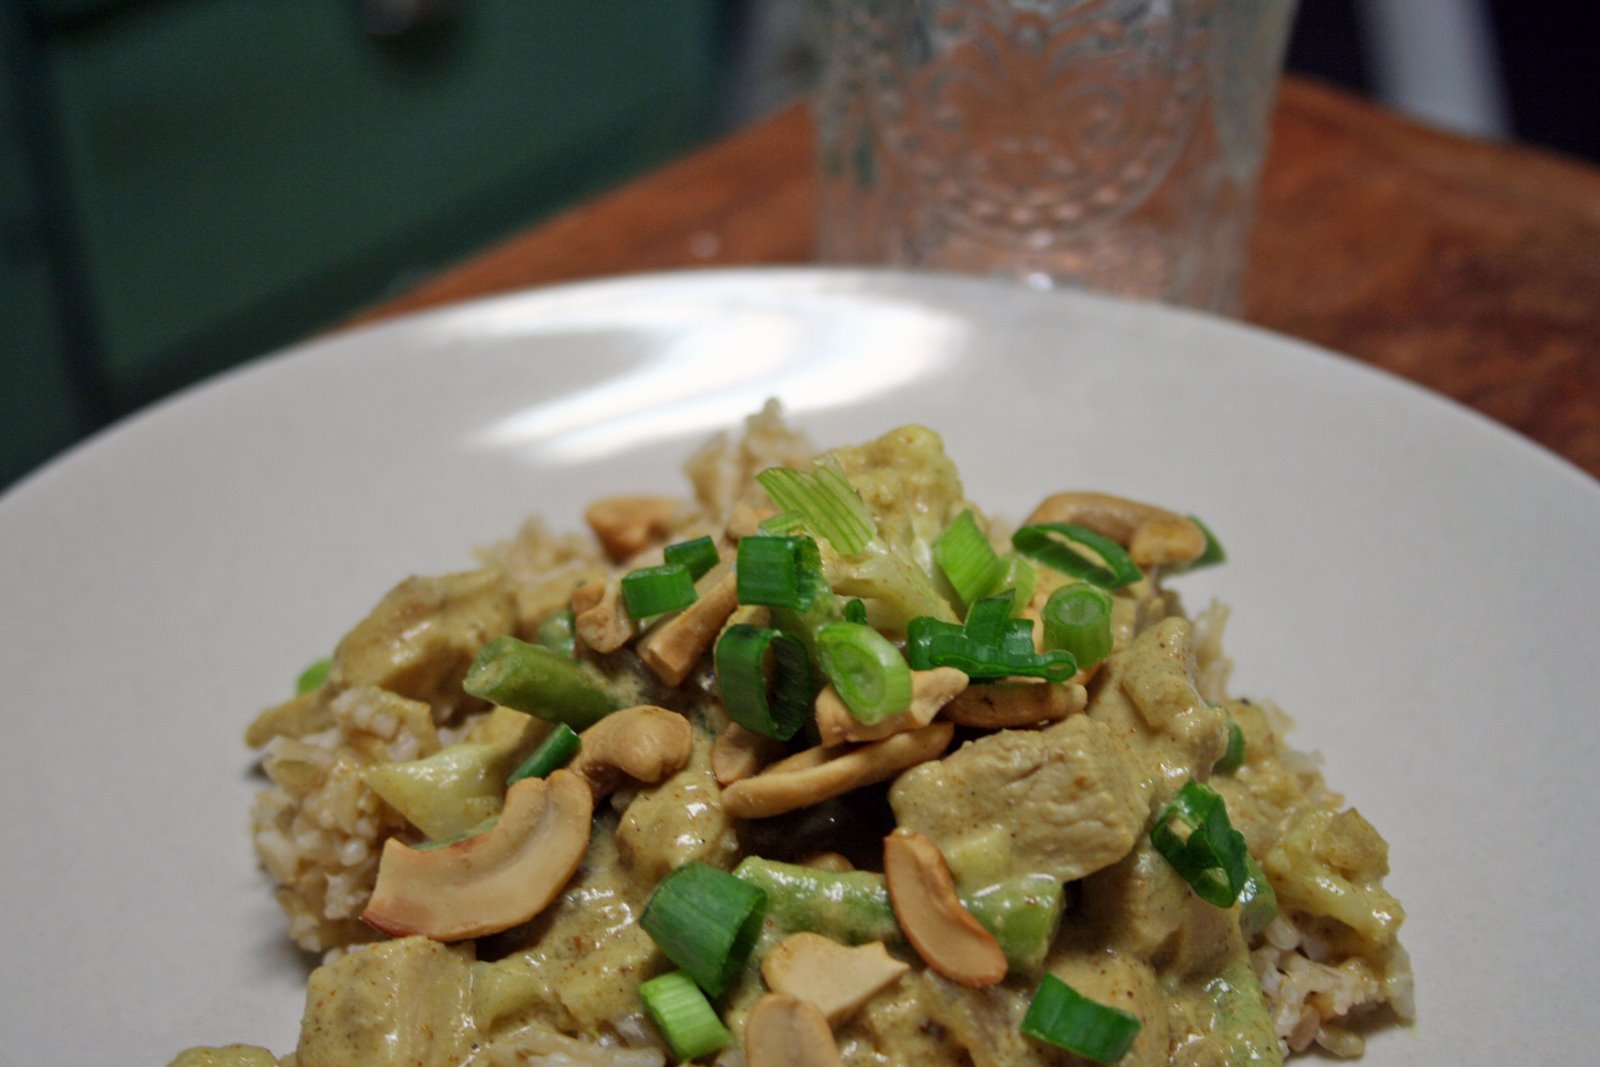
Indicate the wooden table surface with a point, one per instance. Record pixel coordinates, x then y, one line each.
1471 268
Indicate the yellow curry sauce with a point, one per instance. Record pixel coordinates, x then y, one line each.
1053 785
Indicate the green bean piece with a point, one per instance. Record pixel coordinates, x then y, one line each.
556 633
1258 904
1023 914
851 907
539 682
1243 1029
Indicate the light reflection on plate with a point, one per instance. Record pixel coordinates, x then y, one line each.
1415 585
712 374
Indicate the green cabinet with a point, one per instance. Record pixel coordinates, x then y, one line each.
38 411
240 172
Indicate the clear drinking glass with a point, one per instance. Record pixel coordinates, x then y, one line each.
1112 144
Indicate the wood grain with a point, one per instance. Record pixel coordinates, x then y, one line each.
1471 268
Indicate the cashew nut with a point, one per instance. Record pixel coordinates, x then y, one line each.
1015 703
672 648
599 617
834 977
738 753
491 882
626 525
944 933
1151 535
785 1031
930 691
816 774
836 862
645 743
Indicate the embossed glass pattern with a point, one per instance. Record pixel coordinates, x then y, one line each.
1112 144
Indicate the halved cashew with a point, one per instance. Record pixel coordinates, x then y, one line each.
785 1031
930 691
738 753
626 525
645 743
599 617
1015 703
944 933
836 862
491 882
673 648
805 760
836 978
1151 535
815 775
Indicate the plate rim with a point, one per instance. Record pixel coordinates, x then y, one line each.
803 278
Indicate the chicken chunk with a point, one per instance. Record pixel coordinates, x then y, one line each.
1127 984
1136 904
926 1019
679 821
225 1056
1068 792
1147 697
405 1002
421 638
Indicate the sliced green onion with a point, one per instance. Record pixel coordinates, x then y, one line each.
1077 617
855 611
1258 904
1016 638
779 572
967 560
539 682
706 921
699 555
775 708
1063 1017
783 524
551 755
1194 835
313 676
920 632
684 1016
651 591
558 635
987 618
979 661
866 670
832 508
1020 578
933 643
1214 552
1052 543
1233 758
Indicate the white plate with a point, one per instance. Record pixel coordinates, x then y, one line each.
1416 585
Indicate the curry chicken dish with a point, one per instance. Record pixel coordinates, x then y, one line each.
819 766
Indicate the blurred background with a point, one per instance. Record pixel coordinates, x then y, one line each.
186 184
